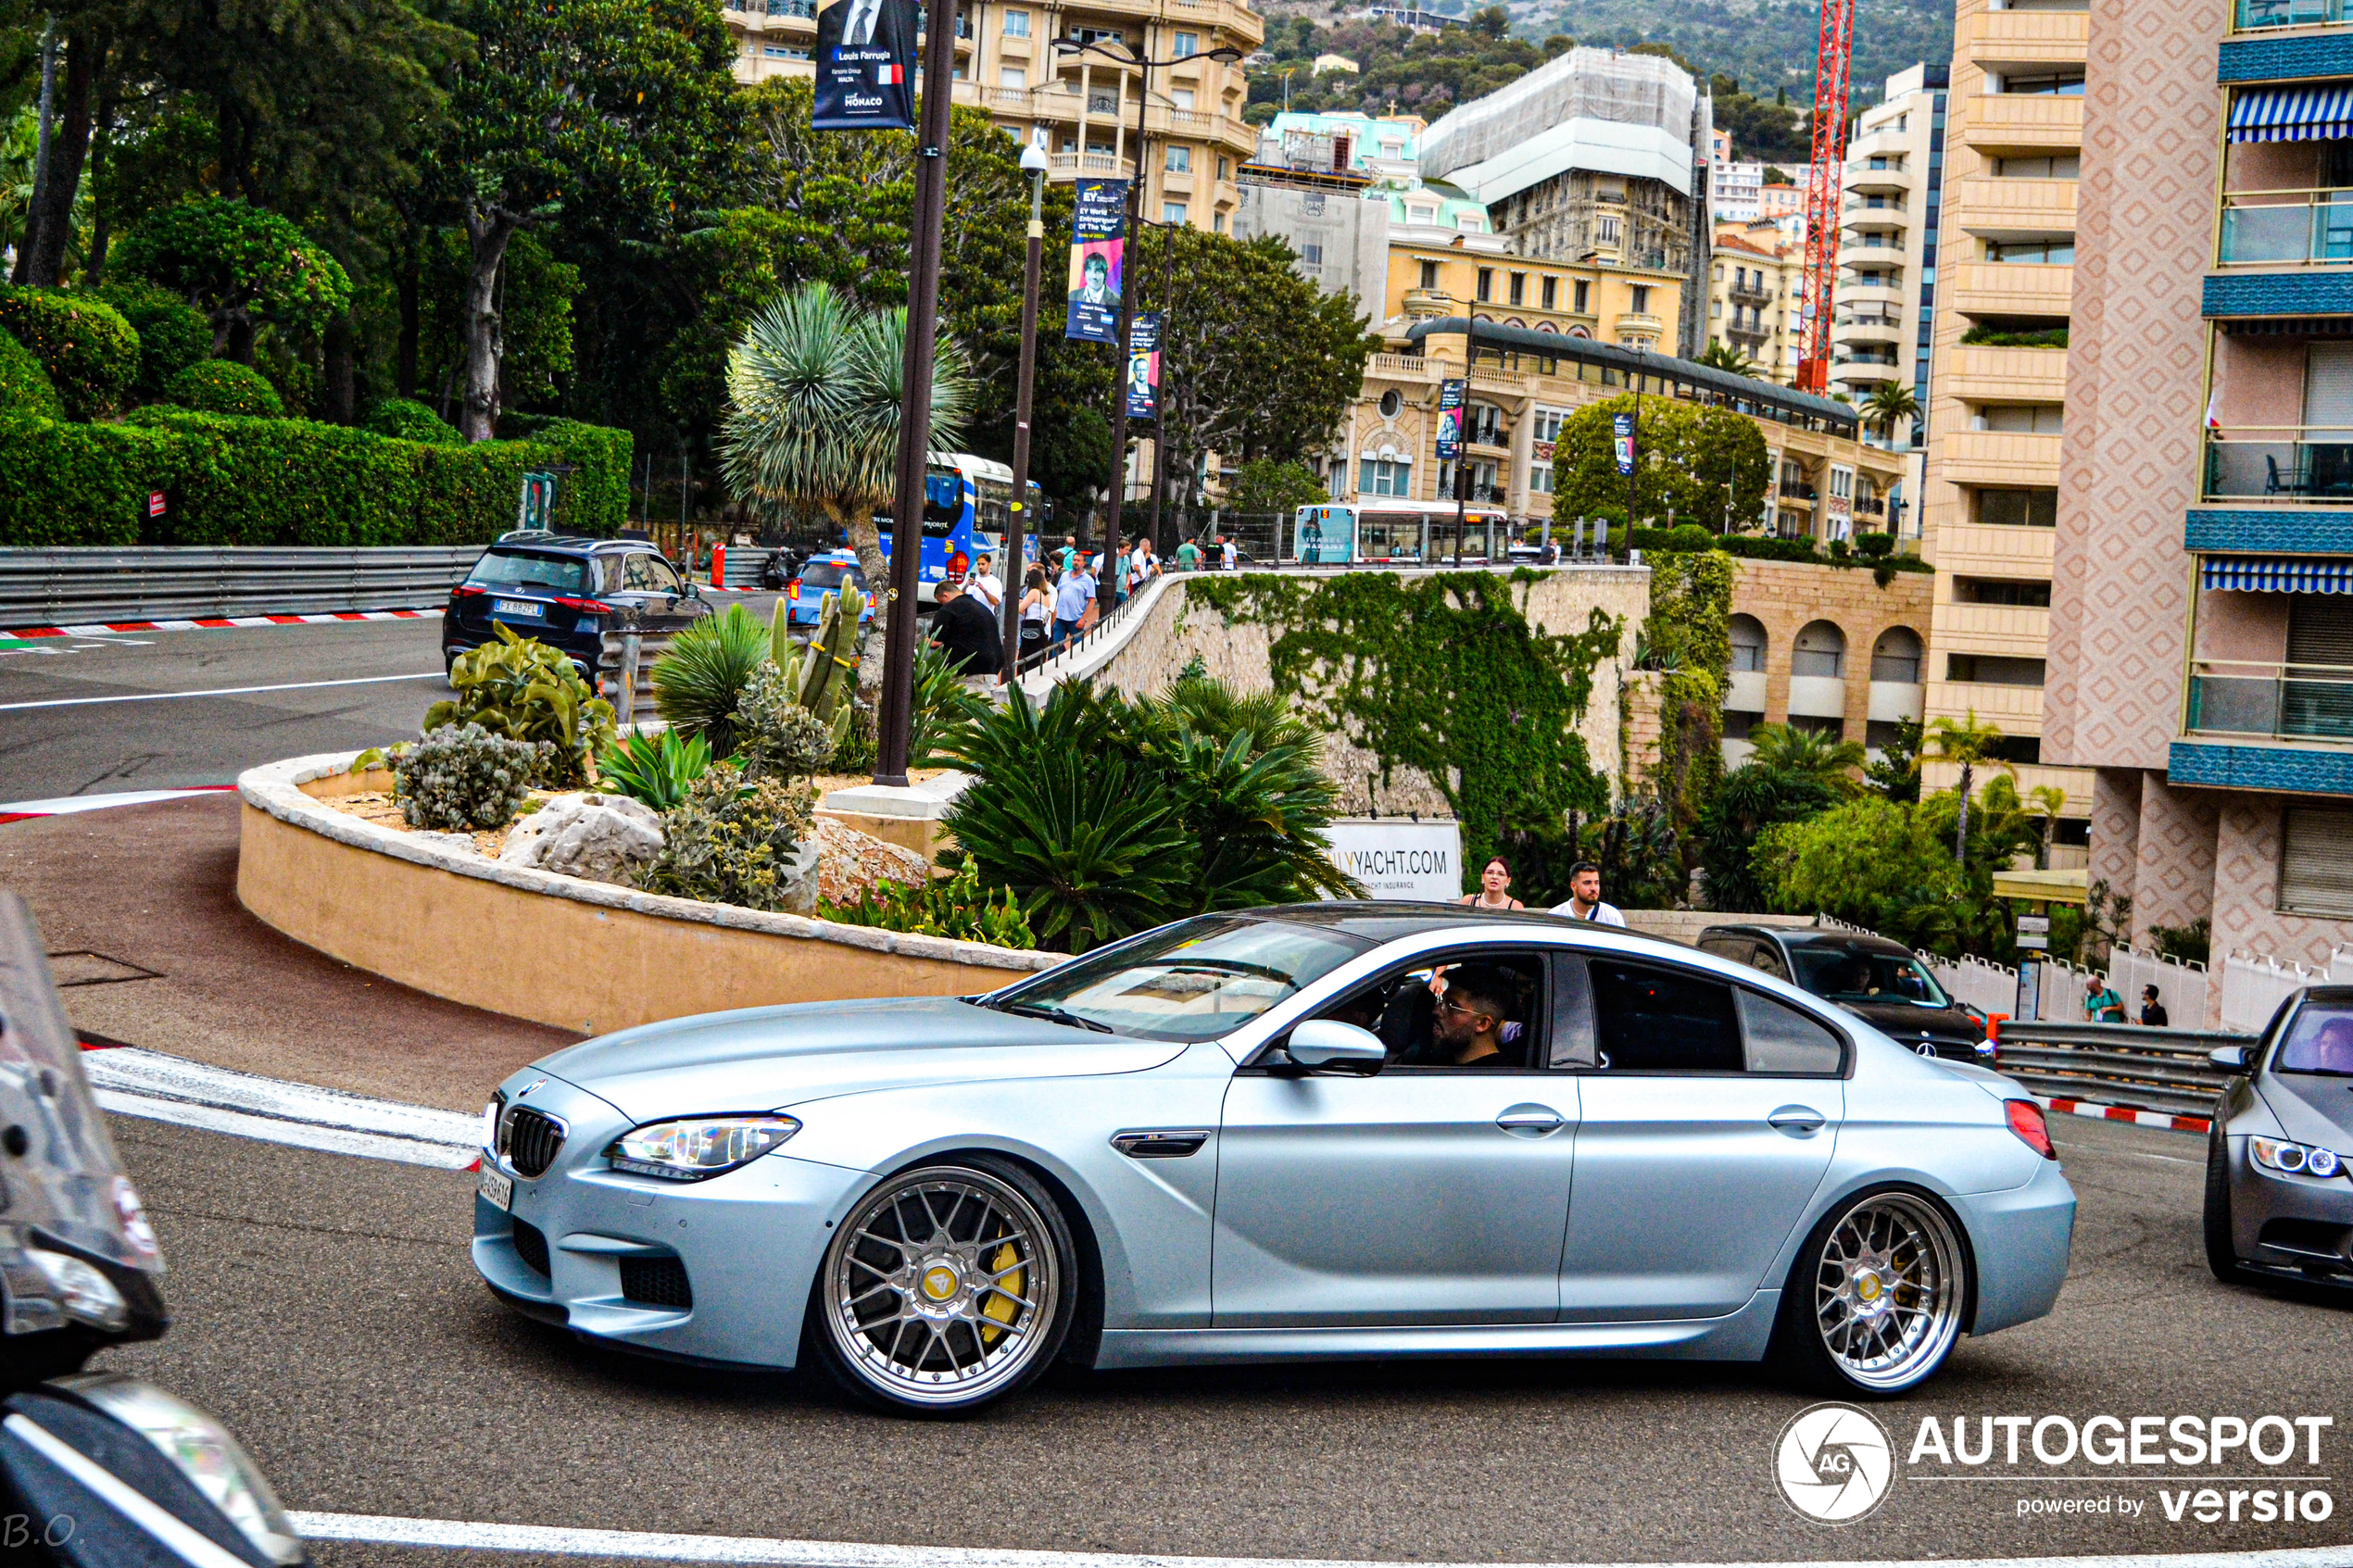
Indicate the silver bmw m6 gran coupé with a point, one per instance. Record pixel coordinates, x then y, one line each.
1337 1130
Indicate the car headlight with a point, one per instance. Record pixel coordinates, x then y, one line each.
2296 1158
201 1450
86 1295
703 1146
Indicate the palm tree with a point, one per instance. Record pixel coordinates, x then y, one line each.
1810 754
1888 402
1969 742
2046 801
1721 356
812 413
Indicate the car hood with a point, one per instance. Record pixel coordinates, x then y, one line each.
765 1059
1904 1023
2312 1108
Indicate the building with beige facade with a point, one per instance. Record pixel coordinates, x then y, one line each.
1081 107
1753 297
2201 647
1998 383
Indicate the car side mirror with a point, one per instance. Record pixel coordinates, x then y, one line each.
2230 1058
1324 1045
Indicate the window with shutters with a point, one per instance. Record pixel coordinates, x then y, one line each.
2315 862
2328 389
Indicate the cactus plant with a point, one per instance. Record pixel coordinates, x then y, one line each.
523 690
830 667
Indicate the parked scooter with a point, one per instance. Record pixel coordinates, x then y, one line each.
96 1470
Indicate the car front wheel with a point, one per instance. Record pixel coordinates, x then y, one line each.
1876 1299
2222 1248
948 1287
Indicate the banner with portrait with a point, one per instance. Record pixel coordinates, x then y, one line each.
1097 257
1452 394
1622 441
865 66
1143 365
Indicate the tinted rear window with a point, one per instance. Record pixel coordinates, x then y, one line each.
1660 1021
522 569
829 574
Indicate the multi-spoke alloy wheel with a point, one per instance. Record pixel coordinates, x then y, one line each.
1883 1286
947 1286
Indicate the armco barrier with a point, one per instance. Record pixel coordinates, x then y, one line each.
82 587
2117 1063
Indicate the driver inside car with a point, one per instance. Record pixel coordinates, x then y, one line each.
1473 1017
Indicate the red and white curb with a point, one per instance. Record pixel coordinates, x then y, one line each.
68 805
218 624
131 1082
2125 1113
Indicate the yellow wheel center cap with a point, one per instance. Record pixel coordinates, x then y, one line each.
1868 1288
939 1282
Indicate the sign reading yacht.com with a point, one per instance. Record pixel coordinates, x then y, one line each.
1836 1464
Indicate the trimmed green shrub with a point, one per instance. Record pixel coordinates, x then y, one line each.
172 333
65 483
288 481
89 351
405 419
595 499
224 386
24 385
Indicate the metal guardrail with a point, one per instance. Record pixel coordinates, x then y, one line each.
2118 1063
79 587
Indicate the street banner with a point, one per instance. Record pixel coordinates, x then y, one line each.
1451 397
1622 432
1143 365
865 66
1324 535
1098 251
1417 863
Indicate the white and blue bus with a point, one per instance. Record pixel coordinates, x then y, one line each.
967 506
1338 534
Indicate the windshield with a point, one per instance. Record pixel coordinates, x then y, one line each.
518 568
1195 980
2320 1040
1843 977
827 574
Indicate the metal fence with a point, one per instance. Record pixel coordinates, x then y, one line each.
2163 1069
82 587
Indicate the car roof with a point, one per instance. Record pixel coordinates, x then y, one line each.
1813 936
1379 920
563 544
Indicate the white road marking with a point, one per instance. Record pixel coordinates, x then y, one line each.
65 805
556 1541
131 1082
219 691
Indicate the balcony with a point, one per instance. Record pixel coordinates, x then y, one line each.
2281 465
1894 700
2026 37
2001 457
1874 327
2286 229
1071 166
2002 631
2257 16
1978 549
1400 367
2000 207
1816 697
2024 123
1862 216
1744 692
1430 304
1748 337
1861 177
2270 701
2073 783
2017 710
1755 293
1864 372
1976 374
2277 767
1637 322
2011 288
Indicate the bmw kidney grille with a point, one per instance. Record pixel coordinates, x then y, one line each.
533 1138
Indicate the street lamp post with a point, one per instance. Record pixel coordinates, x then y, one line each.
1033 163
1106 597
894 714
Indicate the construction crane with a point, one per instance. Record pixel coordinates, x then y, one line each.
1833 73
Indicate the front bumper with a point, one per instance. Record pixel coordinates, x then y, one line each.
2022 1238
748 1243
2294 1226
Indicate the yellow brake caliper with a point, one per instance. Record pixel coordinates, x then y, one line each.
1005 1287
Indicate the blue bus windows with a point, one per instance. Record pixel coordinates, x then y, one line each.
943 498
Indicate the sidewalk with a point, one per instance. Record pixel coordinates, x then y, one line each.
143 898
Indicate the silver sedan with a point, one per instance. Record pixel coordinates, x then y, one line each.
2279 1159
1332 1131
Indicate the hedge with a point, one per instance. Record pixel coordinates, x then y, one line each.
405 419
230 481
24 385
1762 546
88 349
172 333
224 386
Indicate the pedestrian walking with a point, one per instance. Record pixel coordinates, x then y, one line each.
1494 887
967 633
985 585
2153 1014
1188 557
1037 611
1072 601
1585 897
2101 1004
1225 558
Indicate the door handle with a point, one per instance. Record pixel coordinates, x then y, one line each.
1530 1120
1797 1121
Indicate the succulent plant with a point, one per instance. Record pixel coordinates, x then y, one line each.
461 777
521 688
730 840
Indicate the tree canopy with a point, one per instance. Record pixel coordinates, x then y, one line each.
1690 460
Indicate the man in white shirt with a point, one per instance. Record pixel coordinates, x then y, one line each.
1585 897
1225 554
1140 568
984 584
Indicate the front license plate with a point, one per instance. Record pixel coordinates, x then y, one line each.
518 607
498 1189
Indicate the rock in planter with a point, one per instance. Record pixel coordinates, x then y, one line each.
853 862
599 837
800 879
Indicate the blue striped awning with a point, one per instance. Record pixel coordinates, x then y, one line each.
2293 114
2275 574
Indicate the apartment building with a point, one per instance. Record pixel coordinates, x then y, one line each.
1999 378
2201 650
1884 300
1082 108
1754 288
1735 191
1530 378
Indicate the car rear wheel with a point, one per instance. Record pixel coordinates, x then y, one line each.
1876 1299
2222 1248
948 1287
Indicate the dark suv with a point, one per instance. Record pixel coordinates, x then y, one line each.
564 590
1876 980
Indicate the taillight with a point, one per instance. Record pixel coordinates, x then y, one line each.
593 607
2026 1120
467 591
793 588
